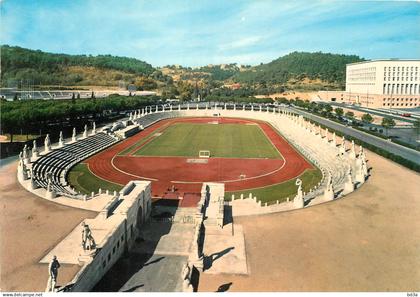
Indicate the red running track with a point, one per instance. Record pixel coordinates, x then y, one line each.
188 177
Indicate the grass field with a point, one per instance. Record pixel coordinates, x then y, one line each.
86 182
281 191
222 140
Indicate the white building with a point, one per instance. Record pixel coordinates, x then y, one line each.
380 84
384 77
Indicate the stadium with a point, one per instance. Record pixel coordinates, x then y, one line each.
195 166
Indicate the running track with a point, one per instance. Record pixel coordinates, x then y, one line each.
188 177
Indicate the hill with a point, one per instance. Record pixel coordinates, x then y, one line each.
46 68
299 68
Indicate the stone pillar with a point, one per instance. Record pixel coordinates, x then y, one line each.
188 106
179 106
260 108
234 106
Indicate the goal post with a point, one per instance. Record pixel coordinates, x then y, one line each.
204 154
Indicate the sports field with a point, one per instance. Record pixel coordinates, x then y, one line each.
224 141
246 155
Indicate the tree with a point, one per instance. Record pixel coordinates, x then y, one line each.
339 111
350 114
78 95
92 96
328 108
367 118
387 123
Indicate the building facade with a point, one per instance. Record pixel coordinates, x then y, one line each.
380 84
384 83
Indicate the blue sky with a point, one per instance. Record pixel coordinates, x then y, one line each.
200 32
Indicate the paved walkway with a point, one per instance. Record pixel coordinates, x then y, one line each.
29 228
368 241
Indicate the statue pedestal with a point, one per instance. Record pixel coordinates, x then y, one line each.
348 188
328 195
86 256
298 201
50 195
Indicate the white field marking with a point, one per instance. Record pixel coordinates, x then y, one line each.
199 161
266 136
102 177
257 188
247 178
122 171
234 180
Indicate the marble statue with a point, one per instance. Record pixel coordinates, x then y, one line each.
343 145
93 128
25 152
298 200
352 150
329 190
34 150
47 144
348 185
73 136
88 243
85 133
61 140
52 274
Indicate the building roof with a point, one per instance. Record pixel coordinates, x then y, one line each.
385 60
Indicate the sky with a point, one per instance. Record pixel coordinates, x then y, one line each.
201 32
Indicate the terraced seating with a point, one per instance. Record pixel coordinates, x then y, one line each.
60 160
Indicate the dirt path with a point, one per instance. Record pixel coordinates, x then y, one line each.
29 227
368 241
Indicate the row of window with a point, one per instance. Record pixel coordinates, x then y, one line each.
407 89
114 249
402 73
400 104
398 78
407 68
365 69
398 99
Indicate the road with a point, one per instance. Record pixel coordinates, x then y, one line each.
380 113
391 147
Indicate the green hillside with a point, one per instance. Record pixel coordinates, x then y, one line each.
329 68
46 68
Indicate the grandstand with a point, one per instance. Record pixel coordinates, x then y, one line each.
55 165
